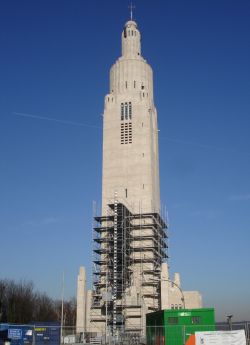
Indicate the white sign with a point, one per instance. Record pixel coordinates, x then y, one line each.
221 338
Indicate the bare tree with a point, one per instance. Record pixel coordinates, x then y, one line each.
19 303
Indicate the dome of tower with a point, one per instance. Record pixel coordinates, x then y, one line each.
130 24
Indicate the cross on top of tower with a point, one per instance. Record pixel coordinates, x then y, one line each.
131 8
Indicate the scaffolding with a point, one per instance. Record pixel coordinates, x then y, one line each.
128 250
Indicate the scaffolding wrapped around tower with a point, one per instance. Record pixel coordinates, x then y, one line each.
128 250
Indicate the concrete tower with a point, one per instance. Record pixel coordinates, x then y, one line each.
130 132
130 273
130 240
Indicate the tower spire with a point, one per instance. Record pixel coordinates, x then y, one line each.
131 8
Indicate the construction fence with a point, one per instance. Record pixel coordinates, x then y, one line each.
179 334
155 335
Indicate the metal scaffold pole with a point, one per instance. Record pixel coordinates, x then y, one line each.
115 267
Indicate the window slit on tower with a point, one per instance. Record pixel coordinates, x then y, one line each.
126 192
126 111
122 111
130 110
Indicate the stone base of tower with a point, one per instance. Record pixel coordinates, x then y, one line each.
130 277
133 308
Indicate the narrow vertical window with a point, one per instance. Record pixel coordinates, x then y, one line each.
122 111
126 111
134 84
126 84
126 192
130 110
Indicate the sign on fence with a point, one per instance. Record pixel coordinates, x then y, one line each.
15 333
221 338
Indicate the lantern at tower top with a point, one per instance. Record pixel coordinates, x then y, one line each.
131 41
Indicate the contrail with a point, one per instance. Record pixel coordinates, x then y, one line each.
65 122
177 141
203 146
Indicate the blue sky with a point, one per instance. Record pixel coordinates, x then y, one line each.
54 63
